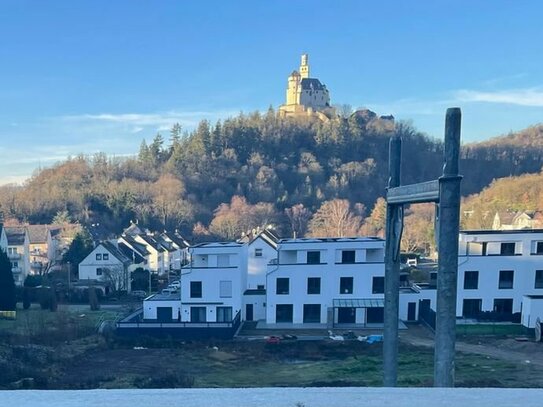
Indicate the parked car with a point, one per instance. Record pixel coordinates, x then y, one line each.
175 284
138 293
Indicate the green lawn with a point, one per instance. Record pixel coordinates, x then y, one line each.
490 329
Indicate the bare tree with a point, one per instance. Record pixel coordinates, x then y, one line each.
335 219
298 216
118 277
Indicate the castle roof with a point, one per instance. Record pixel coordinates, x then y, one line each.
312 84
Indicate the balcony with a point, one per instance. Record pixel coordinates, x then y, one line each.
14 256
16 270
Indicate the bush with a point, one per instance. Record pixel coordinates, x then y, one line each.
26 298
33 281
45 297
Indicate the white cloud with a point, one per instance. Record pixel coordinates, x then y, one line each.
523 97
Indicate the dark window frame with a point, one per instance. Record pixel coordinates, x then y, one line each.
506 283
346 285
194 292
538 283
313 289
313 257
346 256
281 290
378 288
507 248
468 282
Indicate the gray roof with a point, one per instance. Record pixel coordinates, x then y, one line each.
110 247
312 84
37 233
15 235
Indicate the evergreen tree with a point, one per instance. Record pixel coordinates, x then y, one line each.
80 247
7 284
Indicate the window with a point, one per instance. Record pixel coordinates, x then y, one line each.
12 250
471 280
260 287
223 260
313 257
14 264
539 279
346 285
312 313
283 313
483 249
282 286
224 314
105 256
258 252
507 249
225 289
198 314
314 285
503 305
471 308
195 289
347 256
99 271
539 248
506 279
98 256
378 285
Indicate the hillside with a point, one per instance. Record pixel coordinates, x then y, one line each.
274 163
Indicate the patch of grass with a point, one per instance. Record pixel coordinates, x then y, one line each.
490 329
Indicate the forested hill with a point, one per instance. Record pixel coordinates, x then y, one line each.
180 179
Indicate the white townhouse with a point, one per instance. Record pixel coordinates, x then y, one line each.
496 268
107 266
212 284
327 281
18 250
261 249
176 250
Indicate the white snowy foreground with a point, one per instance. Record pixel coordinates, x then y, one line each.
276 397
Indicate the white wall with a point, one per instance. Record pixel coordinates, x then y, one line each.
258 266
330 273
150 308
532 308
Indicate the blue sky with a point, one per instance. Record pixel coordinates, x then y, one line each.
81 77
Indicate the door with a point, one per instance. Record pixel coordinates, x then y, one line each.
346 315
197 314
411 311
375 315
164 314
249 312
471 308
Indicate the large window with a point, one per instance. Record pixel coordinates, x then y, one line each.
347 256
312 313
195 289
225 289
471 308
314 285
224 314
539 248
503 305
346 285
282 286
471 280
283 313
506 279
538 279
313 257
378 285
507 249
197 314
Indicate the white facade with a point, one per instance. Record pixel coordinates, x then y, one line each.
312 275
212 285
497 268
155 258
260 253
18 251
532 309
3 239
107 265
162 308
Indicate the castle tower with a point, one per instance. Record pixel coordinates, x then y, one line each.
293 90
304 66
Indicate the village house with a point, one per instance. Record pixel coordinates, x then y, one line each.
18 250
105 267
42 248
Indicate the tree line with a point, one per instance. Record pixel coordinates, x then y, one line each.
304 176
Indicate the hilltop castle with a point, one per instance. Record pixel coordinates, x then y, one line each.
306 96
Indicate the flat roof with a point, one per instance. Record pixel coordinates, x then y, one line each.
332 240
359 302
164 297
499 232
